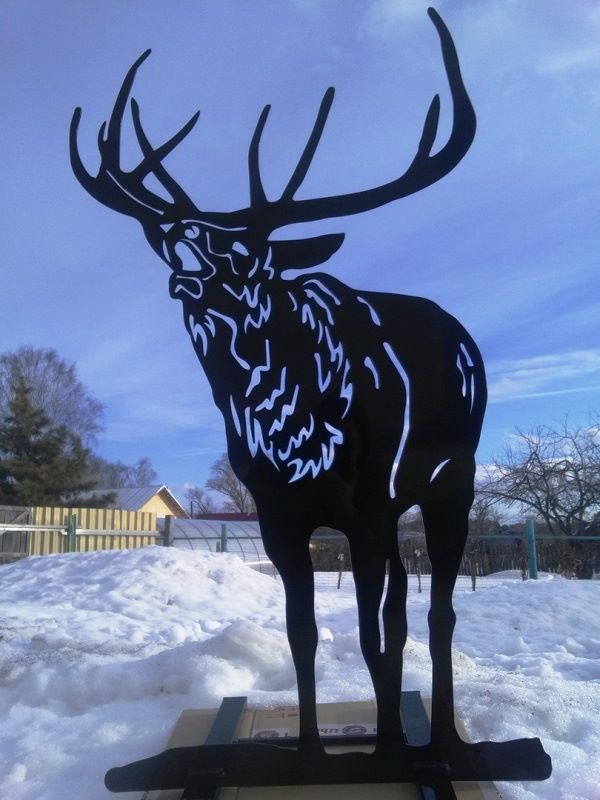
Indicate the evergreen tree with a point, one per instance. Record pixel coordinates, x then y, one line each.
41 463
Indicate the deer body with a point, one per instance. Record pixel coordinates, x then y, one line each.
308 417
348 433
342 408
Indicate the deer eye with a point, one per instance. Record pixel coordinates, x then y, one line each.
188 260
192 232
240 248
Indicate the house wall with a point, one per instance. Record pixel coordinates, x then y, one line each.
160 506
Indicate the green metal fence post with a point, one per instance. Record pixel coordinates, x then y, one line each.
72 533
531 550
223 538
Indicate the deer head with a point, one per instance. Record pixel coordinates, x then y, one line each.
198 245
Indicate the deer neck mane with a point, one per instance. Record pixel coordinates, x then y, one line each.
290 410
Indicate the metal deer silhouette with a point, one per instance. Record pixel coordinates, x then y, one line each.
342 408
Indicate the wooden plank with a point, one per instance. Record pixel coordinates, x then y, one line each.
37 537
44 542
13 542
16 514
100 519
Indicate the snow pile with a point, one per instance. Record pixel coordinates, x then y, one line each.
100 652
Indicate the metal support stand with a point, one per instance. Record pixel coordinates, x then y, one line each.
224 761
222 732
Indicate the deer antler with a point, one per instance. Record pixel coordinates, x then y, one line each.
258 198
124 191
424 170
308 153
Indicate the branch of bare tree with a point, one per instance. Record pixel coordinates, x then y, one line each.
553 472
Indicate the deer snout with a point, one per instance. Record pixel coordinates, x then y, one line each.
181 284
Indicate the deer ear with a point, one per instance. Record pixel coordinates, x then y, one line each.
304 253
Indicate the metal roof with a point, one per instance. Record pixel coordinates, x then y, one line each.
242 537
132 498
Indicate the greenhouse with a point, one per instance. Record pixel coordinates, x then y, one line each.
241 537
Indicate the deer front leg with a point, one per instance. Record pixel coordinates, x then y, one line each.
290 555
384 660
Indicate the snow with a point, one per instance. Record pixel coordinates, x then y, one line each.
100 652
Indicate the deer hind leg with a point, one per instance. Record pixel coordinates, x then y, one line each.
383 659
291 557
395 631
446 524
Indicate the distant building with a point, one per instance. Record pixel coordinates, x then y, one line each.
156 499
232 532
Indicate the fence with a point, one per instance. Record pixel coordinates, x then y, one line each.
45 530
484 554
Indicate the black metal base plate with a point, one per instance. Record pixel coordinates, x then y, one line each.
265 764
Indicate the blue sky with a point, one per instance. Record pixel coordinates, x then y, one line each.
508 242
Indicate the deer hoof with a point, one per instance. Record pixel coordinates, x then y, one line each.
310 748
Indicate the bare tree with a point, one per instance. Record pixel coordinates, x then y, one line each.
200 500
116 475
484 517
224 480
142 473
552 471
54 388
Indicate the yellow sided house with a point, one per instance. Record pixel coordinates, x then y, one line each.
158 500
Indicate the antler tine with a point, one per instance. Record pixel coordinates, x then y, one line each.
464 122
424 169
153 157
112 142
124 191
430 128
257 192
81 173
311 146
159 153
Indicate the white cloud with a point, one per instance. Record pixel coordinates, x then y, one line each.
311 5
551 374
142 416
572 33
384 14
568 59
553 38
